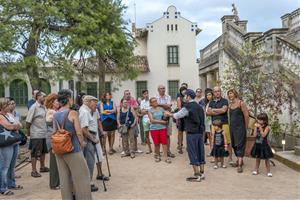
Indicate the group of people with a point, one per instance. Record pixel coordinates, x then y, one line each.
221 121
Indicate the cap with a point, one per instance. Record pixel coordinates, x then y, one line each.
190 93
88 98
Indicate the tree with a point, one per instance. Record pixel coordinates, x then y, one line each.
102 41
30 37
262 89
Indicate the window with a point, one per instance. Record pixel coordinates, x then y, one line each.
175 27
2 90
91 89
78 87
168 27
171 27
108 86
173 87
140 86
173 55
18 91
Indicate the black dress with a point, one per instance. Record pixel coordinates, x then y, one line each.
218 148
261 148
238 131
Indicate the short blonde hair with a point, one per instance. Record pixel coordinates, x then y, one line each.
3 102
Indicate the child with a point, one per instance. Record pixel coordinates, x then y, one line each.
261 148
219 142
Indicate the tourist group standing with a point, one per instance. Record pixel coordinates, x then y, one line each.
87 126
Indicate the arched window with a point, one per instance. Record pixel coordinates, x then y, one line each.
18 90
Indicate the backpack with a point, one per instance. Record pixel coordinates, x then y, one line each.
61 139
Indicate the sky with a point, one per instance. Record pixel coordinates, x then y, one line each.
262 15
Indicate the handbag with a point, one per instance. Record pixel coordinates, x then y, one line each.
123 129
61 139
8 137
23 138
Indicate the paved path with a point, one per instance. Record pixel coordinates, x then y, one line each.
142 178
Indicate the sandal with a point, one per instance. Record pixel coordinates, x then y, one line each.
35 174
148 152
17 187
168 161
157 159
44 169
7 193
239 169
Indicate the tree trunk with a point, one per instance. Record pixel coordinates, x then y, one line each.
30 57
101 76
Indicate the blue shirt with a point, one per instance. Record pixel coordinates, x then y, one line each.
157 116
30 103
219 104
108 106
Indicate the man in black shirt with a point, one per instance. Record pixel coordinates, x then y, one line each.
193 115
217 109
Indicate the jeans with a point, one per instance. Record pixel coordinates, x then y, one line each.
11 181
6 155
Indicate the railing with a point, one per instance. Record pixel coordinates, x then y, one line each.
290 55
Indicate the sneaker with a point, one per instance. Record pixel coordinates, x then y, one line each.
254 172
122 153
202 176
132 155
102 177
94 188
269 174
44 169
138 151
216 167
224 166
35 174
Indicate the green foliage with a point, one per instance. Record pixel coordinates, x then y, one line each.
37 34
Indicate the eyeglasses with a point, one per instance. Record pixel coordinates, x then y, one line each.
162 88
127 93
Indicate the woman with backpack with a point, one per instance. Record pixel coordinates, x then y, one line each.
72 167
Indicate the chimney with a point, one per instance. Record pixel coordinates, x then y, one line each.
225 19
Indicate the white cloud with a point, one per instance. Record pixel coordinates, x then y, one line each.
211 27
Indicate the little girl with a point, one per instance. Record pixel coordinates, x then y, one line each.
219 142
261 148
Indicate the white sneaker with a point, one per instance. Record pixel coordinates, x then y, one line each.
202 176
269 174
138 151
123 153
254 173
216 167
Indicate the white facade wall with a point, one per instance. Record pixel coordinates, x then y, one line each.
154 46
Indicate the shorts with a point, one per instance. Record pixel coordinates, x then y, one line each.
159 136
38 147
225 128
146 126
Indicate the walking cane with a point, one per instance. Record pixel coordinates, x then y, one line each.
107 163
100 168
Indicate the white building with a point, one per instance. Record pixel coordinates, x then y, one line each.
168 47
